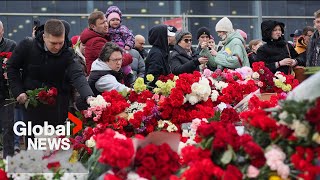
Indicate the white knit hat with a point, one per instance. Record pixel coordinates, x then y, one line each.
224 25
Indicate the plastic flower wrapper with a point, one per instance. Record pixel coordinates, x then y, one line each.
307 90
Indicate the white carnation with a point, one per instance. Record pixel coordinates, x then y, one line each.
99 101
300 129
192 99
214 95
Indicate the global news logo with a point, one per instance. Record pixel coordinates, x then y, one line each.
47 136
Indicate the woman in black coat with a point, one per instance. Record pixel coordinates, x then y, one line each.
182 58
278 54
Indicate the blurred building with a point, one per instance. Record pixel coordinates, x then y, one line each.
140 16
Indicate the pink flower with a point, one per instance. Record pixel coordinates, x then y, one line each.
260 84
87 113
283 170
207 73
155 97
252 172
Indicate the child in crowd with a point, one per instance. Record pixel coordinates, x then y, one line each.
122 36
211 43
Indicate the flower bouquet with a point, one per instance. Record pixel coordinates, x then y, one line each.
4 57
41 96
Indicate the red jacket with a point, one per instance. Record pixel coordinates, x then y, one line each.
94 42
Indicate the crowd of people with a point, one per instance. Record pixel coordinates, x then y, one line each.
108 56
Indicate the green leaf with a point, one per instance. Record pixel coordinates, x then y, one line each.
227 155
207 143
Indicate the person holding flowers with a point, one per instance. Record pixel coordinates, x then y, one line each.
6 112
183 58
46 62
233 54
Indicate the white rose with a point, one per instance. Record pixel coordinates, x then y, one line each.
161 124
283 115
316 137
255 75
91 142
300 129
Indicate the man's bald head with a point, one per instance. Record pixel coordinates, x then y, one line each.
1 31
139 42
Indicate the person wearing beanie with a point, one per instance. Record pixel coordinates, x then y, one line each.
232 54
278 54
118 32
203 35
183 58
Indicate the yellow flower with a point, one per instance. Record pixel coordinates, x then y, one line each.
139 85
150 77
277 83
74 157
274 177
286 88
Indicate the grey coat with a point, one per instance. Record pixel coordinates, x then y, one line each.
137 65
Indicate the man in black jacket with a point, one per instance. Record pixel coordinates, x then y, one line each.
47 61
157 60
6 112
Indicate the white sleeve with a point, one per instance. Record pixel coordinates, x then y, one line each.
108 83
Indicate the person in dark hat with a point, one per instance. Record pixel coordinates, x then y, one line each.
296 35
203 36
183 58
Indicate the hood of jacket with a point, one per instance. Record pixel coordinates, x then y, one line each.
112 9
267 28
88 34
232 36
99 65
158 36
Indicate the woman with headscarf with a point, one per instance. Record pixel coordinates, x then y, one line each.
278 54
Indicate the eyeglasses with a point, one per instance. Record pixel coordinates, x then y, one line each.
187 40
116 60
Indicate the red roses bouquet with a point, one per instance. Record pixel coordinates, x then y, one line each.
41 96
4 56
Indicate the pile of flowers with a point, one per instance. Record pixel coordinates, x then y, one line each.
289 134
120 157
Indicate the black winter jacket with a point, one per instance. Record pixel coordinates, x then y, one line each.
180 62
274 50
41 68
157 60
